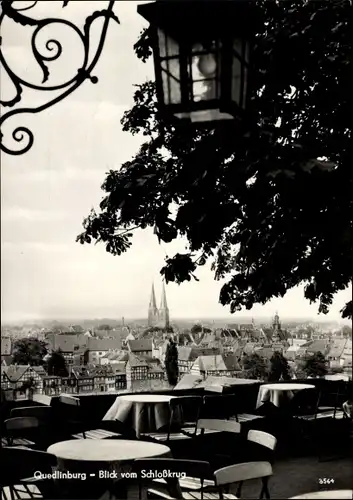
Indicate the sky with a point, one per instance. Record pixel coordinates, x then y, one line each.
46 193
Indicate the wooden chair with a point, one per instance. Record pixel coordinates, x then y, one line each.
188 408
18 467
226 406
330 402
170 488
314 404
221 407
74 420
42 413
21 431
247 417
265 445
239 473
205 427
215 425
217 441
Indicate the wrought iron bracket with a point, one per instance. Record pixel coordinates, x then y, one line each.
51 51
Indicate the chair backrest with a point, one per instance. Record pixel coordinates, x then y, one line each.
347 407
179 467
69 400
189 407
263 438
305 401
42 413
21 423
219 425
242 472
21 463
220 406
333 395
185 401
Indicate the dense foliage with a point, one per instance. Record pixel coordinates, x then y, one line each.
86 357
57 365
29 351
171 363
270 208
315 365
157 329
279 369
255 367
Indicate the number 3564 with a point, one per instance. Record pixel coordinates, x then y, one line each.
326 480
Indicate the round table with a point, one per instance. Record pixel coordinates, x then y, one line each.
142 412
107 450
279 394
329 495
100 463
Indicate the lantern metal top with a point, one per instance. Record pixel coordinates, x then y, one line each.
192 19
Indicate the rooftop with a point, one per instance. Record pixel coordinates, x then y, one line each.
140 345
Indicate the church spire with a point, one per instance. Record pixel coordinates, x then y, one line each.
163 298
152 309
153 298
164 311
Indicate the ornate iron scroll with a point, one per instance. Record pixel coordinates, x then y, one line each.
53 50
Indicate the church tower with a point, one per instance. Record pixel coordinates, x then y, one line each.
276 322
277 330
163 310
152 309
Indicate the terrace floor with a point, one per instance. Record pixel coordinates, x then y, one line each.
295 476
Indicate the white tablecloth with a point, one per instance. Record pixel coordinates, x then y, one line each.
279 394
142 412
107 450
92 456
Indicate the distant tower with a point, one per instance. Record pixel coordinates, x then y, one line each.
123 321
276 322
163 310
276 325
152 309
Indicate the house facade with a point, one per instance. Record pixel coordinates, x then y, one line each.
217 365
17 378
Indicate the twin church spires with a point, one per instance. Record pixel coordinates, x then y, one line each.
158 317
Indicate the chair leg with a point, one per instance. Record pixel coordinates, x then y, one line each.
264 489
170 423
238 493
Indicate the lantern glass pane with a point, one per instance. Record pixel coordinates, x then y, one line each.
203 72
168 47
171 80
170 68
240 71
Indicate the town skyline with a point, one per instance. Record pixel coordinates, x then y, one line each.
46 194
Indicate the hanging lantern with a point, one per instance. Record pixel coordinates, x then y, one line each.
201 53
